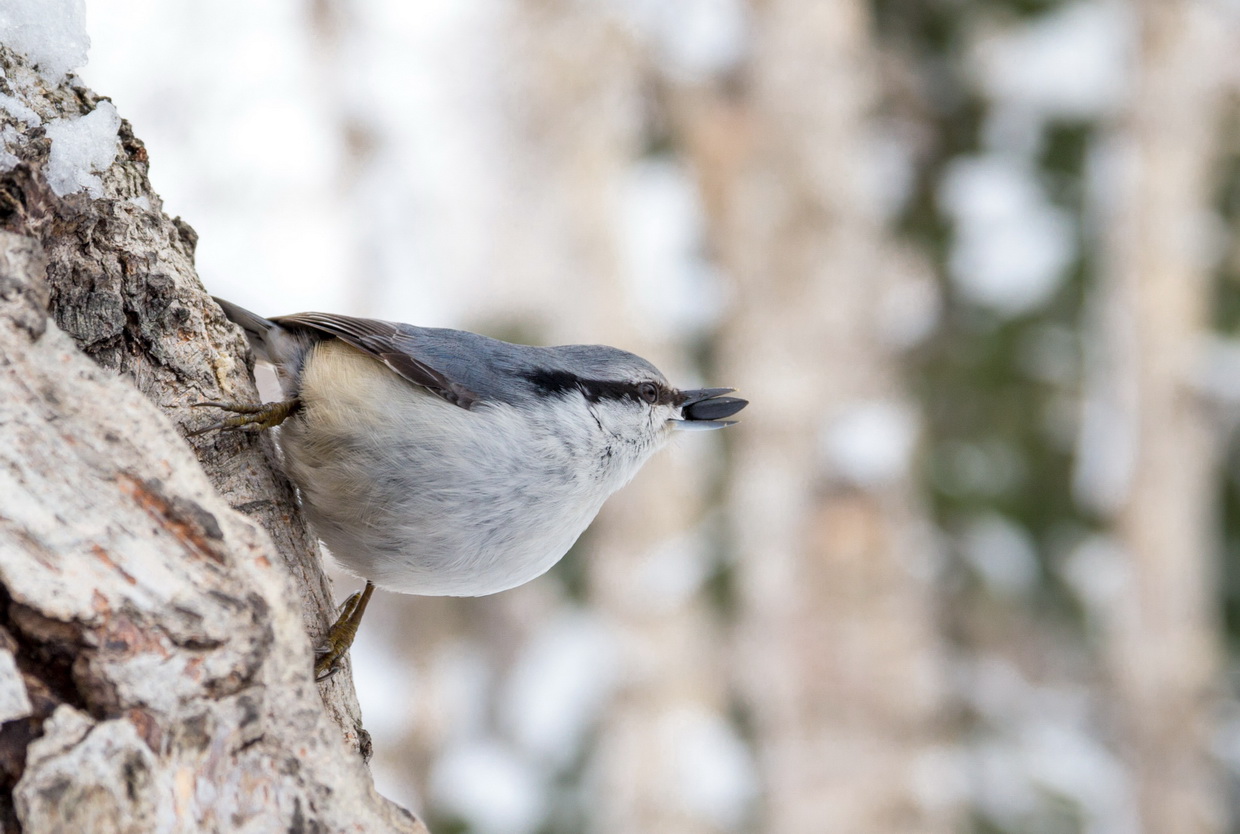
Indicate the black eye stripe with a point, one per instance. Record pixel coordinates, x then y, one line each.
552 383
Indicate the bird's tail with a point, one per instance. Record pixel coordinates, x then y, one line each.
257 329
283 348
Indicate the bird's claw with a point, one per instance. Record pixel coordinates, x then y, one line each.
249 418
342 633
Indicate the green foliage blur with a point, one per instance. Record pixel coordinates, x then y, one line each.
987 401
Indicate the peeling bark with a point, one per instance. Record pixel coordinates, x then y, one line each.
155 669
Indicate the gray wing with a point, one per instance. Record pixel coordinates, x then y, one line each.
390 344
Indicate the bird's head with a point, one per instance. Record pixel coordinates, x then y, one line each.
628 400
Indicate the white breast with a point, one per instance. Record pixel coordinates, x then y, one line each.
430 498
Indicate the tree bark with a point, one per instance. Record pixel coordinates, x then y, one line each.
154 597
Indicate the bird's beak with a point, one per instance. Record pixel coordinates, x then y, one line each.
705 408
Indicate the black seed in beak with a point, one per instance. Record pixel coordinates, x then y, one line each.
714 408
701 409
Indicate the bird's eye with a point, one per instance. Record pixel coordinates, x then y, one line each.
649 392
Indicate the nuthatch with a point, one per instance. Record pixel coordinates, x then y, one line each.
442 462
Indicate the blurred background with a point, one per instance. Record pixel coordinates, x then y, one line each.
971 563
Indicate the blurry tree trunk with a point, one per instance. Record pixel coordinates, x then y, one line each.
157 668
572 121
839 652
333 28
1163 651
580 133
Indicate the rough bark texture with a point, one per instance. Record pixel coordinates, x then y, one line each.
160 635
841 658
1164 651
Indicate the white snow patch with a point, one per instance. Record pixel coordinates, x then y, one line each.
892 156
1062 759
671 573
559 685
50 33
1097 571
1070 63
911 308
1226 740
1012 247
1106 444
676 288
384 678
870 444
712 768
1002 552
1218 372
693 39
458 681
1038 751
1002 790
994 687
18 110
939 779
8 138
80 147
490 787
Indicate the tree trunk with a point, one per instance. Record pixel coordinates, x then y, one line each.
159 635
841 658
1162 645
577 139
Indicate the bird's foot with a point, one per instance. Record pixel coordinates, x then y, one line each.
249 418
342 633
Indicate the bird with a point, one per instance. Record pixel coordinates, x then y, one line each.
442 462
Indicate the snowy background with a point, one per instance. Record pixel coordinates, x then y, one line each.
539 170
